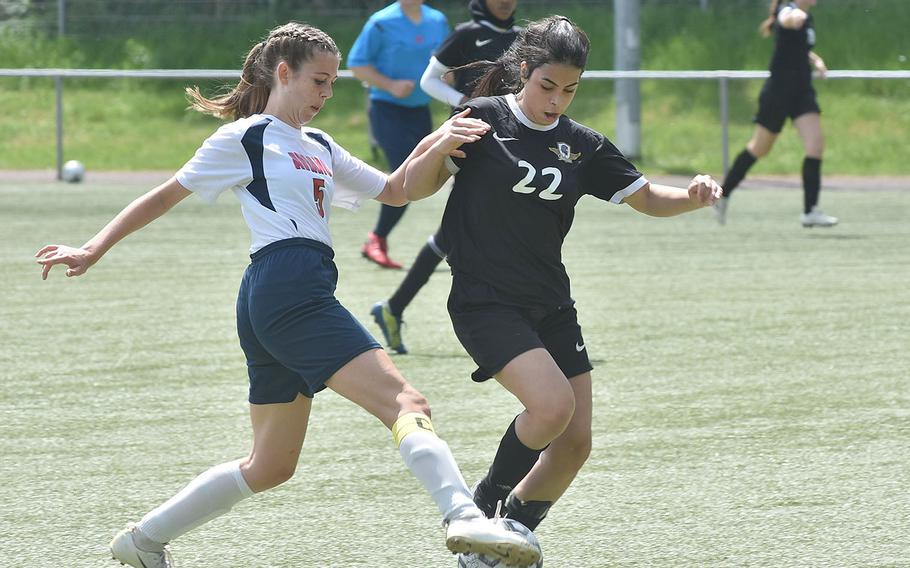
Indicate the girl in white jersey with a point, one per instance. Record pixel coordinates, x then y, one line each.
296 336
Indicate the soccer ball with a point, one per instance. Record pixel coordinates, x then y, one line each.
471 560
73 171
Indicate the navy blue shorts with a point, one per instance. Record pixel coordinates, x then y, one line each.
294 332
398 129
777 103
493 332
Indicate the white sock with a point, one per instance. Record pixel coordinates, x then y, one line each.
430 460
210 495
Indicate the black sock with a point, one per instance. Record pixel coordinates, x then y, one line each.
388 218
737 172
528 513
812 181
426 262
512 463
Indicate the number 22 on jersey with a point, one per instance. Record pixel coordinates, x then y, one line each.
548 194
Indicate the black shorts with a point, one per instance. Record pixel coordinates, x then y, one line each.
776 104
493 333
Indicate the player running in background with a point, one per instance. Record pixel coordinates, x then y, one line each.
486 37
788 92
297 338
511 206
390 55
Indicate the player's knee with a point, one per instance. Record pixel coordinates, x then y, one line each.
758 149
815 148
553 413
266 476
577 450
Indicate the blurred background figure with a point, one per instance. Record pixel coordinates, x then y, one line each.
485 38
390 55
787 93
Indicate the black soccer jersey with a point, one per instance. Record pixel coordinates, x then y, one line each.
470 42
790 66
514 199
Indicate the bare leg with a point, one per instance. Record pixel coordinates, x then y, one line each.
278 434
371 381
758 146
809 127
810 130
561 461
761 142
535 379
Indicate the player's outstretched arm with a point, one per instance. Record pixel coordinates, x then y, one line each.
433 83
395 193
426 173
142 211
666 201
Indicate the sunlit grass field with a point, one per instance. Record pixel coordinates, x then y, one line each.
752 405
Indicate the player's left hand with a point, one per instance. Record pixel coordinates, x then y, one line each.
704 190
820 68
459 130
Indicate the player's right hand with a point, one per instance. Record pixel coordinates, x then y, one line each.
77 260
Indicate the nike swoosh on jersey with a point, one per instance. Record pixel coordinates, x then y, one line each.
501 139
579 347
481 42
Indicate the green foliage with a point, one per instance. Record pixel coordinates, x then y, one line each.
104 118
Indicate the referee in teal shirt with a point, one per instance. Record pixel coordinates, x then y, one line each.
390 55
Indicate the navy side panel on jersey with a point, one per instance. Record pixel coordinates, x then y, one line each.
321 139
252 143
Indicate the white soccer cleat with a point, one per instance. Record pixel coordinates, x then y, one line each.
817 218
472 560
124 549
490 538
720 210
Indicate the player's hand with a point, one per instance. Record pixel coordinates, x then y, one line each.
459 130
77 260
704 190
820 67
401 88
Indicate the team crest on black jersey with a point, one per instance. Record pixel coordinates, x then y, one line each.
564 152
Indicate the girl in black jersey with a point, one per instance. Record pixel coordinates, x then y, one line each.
787 93
489 33
510 208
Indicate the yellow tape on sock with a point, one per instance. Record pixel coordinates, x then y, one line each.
410 423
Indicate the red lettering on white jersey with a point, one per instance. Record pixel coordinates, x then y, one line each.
310 163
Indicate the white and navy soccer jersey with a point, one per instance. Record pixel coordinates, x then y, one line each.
514 197
285 178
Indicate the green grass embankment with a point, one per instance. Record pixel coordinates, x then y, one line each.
144 124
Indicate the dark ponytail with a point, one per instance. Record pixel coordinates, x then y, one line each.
294 43
554 39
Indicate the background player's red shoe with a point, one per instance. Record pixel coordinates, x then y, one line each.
376 249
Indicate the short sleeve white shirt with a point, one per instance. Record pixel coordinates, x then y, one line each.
285 178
